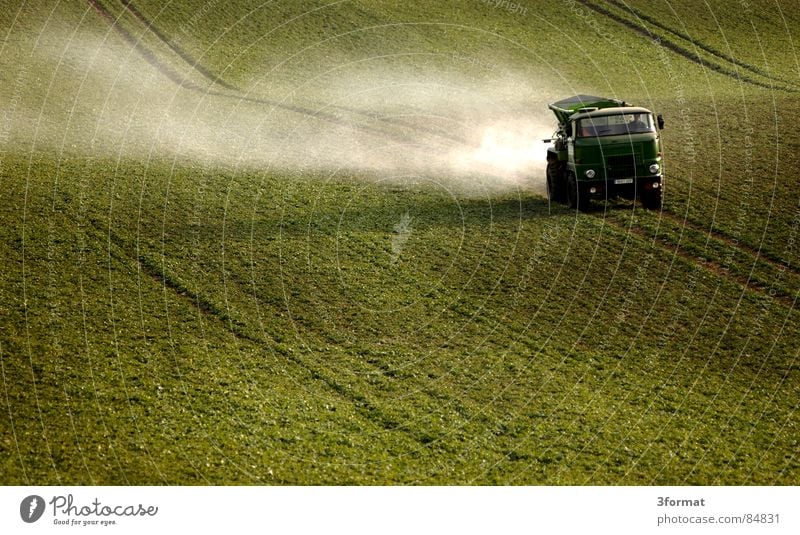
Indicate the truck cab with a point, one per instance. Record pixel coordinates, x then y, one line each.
604 148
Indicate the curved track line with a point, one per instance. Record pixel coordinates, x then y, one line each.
185 56
182 81
691 56
711 266
731 242
146 53
214 78
362 405
700 44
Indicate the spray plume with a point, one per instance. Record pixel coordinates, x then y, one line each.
373 121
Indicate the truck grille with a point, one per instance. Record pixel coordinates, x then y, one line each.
620 166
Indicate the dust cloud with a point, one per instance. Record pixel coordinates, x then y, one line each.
474 133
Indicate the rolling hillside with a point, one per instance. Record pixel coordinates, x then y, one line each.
307 243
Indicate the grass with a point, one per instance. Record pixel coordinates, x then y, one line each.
756 38
170 321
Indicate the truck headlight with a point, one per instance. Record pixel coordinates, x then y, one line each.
589 173
654 168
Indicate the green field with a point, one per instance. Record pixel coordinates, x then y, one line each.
272 243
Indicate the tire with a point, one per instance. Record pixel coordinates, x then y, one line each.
652 200
556 190
577 201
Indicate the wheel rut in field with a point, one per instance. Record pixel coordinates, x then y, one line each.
183 54
145 52
681 51
214 78
236 94
368 409
158 273
714 266
694 42
732 242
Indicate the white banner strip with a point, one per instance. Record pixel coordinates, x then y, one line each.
406 510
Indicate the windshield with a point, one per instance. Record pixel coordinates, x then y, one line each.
614 125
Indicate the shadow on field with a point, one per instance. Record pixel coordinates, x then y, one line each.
380 217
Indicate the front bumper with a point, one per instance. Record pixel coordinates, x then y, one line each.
621 187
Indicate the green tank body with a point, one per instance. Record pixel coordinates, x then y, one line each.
604 148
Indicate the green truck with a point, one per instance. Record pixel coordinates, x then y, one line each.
604 148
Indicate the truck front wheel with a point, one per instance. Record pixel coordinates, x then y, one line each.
652 200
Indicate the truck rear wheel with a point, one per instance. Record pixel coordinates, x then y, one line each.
556 190
577 199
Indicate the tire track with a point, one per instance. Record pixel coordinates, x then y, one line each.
700 44
691 56
361 403
373 364
185 56
723 236
214 78
146 53
732 242
241 96
712 266
211 76
183 82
